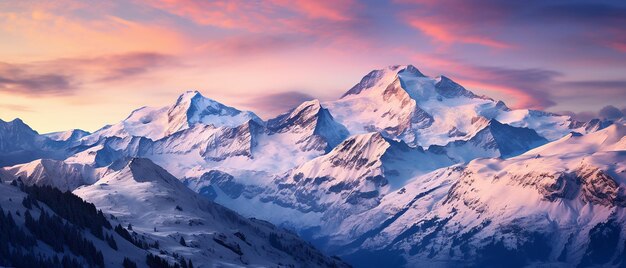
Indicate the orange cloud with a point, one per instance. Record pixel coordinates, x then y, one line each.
40 34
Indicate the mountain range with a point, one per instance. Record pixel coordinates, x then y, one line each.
402 170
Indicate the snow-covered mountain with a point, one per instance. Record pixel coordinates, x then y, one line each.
38 230
560 204
190 109
162 209
494 139
67 136
59 174
403 168
20 144
402 103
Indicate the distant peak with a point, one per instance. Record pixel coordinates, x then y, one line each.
188 97
448 88
17 120
312 104
305 114
412 70
191 93
18 124
388 73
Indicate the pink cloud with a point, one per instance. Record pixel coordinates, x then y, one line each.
449 33
257 16
66 76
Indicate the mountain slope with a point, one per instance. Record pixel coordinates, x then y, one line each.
37 225
493 140
321 192
54 173
160 207
546 208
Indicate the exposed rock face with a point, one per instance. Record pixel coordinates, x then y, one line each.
599 188
230 142
313 126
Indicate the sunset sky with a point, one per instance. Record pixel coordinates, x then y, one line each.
83 64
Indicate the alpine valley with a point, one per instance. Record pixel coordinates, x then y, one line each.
404 170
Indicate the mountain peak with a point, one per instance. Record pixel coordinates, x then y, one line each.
16 126
189 94
450 89
411 70
68 135
193 108
312 120
304 115
17 122
511 140
313 105
144 170
383 77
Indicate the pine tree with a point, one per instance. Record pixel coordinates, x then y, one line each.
111 241
127 263
182 241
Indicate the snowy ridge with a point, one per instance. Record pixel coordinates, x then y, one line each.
69 135
20 144
466 213
314 123
349 179
54 173
162 208
11 201
493 140
190 108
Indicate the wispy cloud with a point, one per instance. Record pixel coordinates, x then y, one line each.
15 107
272 16
608 112
65 76
447 33
18 79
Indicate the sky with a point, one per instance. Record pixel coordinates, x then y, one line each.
83 64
